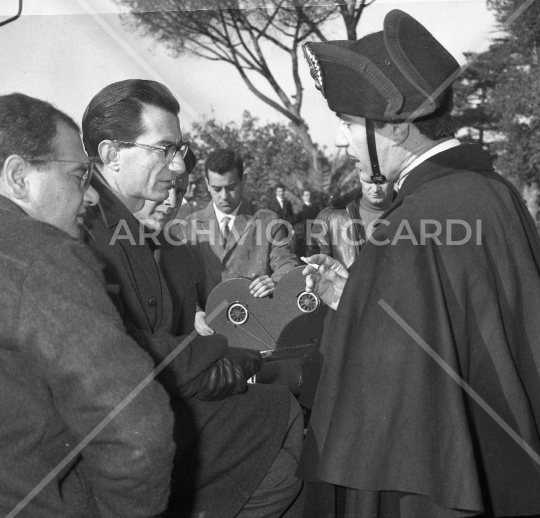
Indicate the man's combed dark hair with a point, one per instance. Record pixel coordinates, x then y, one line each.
28 127
224 160
115 112
437 125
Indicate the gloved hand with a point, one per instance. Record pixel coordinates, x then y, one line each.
221 380
249 359
226 377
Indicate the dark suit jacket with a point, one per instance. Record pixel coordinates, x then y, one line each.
285 213
155 305
308 212
257 246
224 448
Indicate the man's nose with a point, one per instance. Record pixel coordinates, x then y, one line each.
172 199
91 197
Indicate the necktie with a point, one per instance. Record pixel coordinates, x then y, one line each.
225 230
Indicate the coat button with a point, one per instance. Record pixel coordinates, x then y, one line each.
152 302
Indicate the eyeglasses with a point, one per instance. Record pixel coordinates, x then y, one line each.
84 178
169 151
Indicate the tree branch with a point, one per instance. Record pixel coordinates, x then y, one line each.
293 118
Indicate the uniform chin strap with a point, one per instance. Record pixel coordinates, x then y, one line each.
376 175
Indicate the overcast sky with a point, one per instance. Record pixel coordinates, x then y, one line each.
65 51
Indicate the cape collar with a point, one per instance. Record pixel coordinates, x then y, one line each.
443 146
466 157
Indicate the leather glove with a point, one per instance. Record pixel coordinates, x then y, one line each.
220 380
225 377
249 359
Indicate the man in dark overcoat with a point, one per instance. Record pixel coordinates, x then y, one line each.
66 363
281 205
303 220
237 448
429 399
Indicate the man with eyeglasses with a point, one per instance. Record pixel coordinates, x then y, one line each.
66 363
237 448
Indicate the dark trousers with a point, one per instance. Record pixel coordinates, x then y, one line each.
277 493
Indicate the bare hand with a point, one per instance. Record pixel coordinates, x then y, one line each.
328 280
200 324
262 286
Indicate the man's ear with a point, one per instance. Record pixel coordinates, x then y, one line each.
15 179
400 132
109 155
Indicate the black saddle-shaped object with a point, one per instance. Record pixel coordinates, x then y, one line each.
285 327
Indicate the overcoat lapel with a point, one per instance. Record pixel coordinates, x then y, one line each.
134 258
209 225
242 224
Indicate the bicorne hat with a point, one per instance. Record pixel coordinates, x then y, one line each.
401 73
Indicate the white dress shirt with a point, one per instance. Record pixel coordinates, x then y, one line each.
439 148
221 215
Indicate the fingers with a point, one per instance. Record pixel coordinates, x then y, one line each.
201 326
250 360
262 286
311 282
314 262
316 259
264 291
323 260
240 384
204 330
309 270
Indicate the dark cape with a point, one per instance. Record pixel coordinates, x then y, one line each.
388 419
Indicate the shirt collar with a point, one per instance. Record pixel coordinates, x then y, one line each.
439 148
220 215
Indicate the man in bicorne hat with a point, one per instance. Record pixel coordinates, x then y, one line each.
429 399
